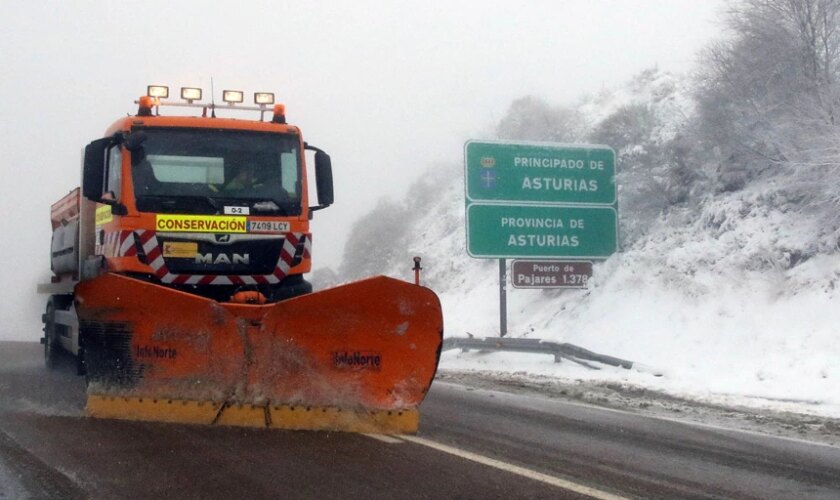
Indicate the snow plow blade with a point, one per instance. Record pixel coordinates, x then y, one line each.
358 357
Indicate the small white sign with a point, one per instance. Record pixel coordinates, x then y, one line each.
237 211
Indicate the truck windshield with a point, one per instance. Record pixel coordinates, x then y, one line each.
203 170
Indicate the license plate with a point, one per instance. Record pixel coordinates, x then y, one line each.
267 226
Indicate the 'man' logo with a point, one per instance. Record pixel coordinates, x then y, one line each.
222 258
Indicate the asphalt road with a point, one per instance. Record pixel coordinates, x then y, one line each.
472 444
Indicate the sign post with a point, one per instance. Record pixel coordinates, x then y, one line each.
529 200
502 298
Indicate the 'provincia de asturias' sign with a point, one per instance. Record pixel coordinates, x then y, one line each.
540 200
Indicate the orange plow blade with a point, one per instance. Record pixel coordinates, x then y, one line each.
358 357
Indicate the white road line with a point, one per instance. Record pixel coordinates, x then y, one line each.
384 438
515 469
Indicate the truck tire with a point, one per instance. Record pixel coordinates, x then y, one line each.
52 347
52 330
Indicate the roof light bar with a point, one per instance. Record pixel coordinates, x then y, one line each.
159 91
263 98
190 94
150 103
233 96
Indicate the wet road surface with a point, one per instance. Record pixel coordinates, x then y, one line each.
472 443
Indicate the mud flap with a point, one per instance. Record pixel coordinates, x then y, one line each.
365 352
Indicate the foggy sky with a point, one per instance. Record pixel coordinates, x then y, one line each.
387 88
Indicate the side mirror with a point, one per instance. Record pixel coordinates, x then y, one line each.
93 170
323 179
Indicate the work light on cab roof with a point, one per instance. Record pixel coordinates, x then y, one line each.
233 96
158 91
190 94
263 98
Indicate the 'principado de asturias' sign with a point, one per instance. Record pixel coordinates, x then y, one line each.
540 200
540 173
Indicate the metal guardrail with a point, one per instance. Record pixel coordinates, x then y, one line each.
560 351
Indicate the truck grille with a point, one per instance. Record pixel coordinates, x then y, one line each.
222 254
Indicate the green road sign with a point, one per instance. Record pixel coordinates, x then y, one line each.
539 173
529 231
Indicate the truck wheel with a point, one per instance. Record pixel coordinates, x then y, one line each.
51 346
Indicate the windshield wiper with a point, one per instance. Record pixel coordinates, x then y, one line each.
271 206
265 206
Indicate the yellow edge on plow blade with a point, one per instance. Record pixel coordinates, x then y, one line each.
276 417
358 357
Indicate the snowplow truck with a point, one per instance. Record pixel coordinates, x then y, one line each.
178 283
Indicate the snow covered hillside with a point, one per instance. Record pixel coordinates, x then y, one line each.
730 292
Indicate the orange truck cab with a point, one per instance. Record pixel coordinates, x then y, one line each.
212 205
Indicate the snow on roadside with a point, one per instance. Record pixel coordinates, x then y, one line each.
772 354
718 307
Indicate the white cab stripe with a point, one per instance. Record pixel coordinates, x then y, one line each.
150 245
157 263
126 244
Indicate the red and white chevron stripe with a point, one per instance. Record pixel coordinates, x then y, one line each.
127 247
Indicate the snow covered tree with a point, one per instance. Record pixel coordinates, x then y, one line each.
769 111
768 94
531 118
